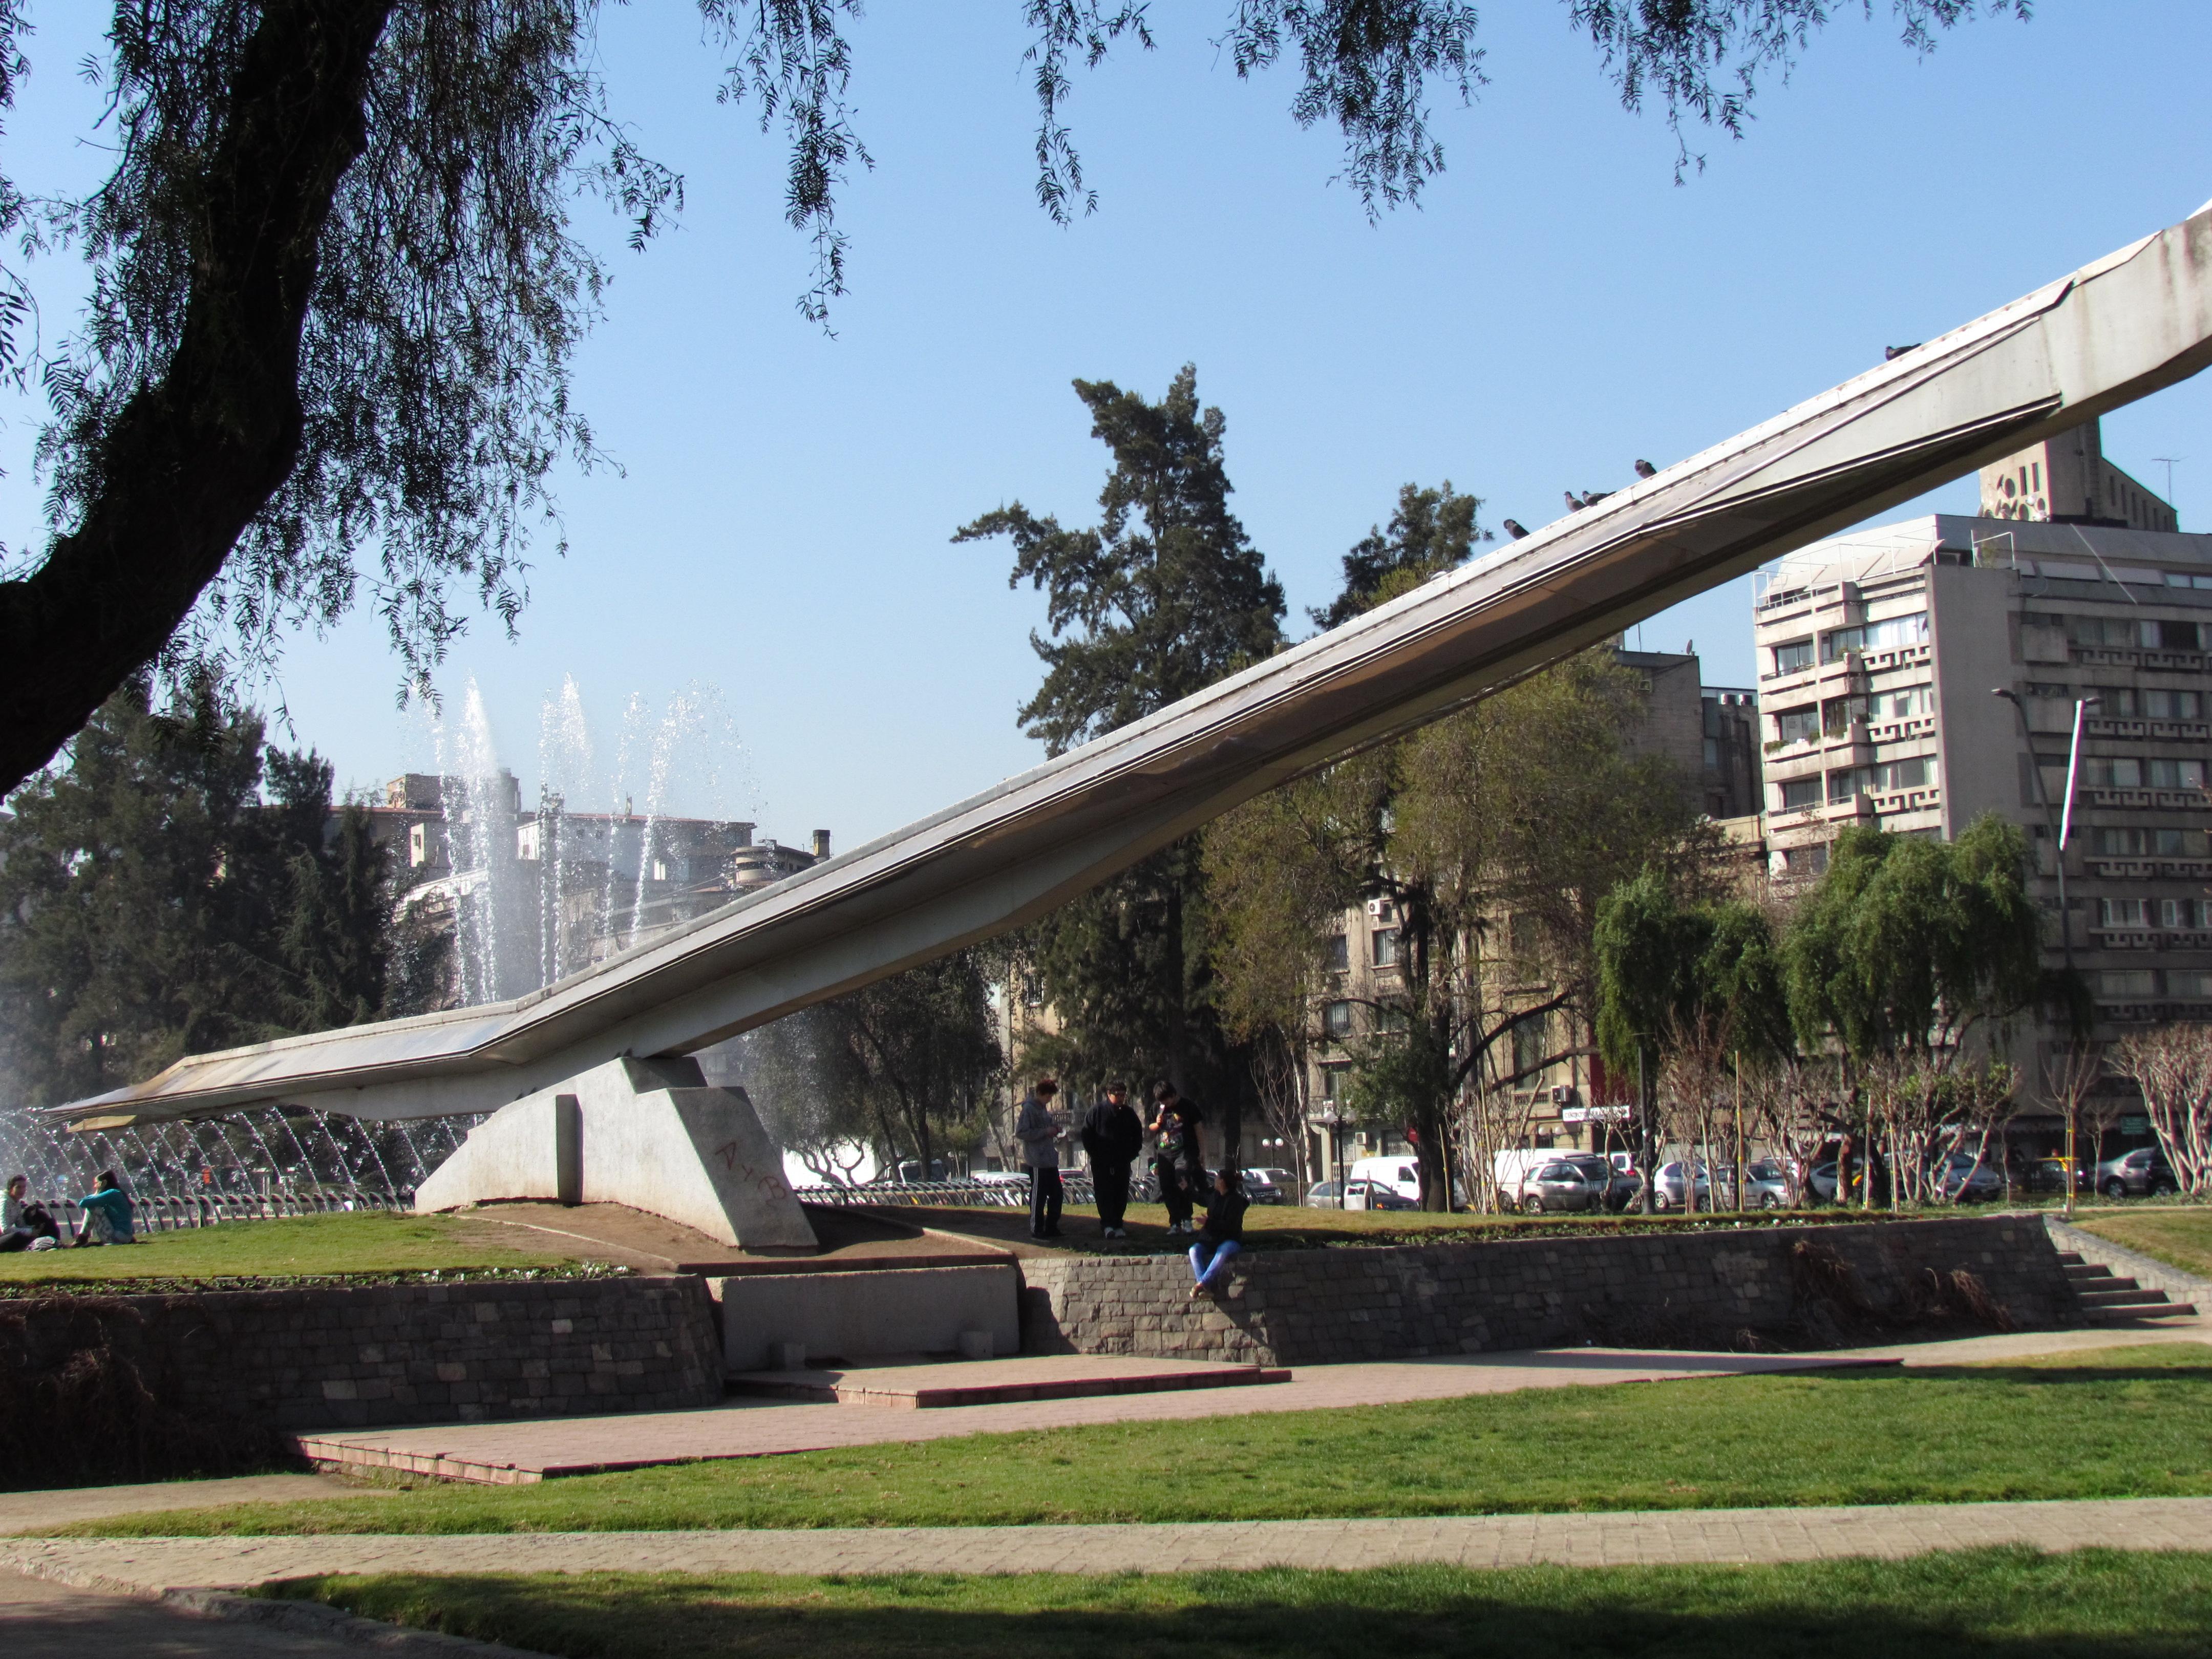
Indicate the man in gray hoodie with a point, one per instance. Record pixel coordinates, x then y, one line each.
1039 1129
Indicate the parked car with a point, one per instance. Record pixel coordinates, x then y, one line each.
1766 1185
2142 1172
1563 1185
2048 1175
1282 1179
1360 1193
1670 1186
1260 1189
1822 1182
1966 1179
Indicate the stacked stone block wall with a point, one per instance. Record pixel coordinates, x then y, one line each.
355 1357
1723 1288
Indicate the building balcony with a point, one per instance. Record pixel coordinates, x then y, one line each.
2123 938
2115 728
2122 869
1902 656
1897 802
2182 730
1901 731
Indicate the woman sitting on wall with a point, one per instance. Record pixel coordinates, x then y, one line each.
106 1214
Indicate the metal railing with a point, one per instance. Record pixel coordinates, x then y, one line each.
970 1193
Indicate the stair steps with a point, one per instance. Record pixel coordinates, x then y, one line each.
2107 1298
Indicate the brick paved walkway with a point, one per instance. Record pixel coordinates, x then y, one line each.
539 1447
151 1565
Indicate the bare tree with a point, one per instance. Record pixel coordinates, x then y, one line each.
2172 1067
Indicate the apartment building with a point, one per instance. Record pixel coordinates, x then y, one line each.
1712 736
1880 650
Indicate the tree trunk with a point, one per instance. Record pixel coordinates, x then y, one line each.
194 455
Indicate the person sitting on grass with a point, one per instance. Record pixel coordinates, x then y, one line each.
1222 1237
106 1214
15 1234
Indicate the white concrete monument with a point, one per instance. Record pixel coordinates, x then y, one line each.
649 1134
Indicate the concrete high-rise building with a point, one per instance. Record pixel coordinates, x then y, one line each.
1879 652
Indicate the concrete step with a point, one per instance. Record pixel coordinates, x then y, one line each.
2071 1259
996 1381
2141 1314
2119 1293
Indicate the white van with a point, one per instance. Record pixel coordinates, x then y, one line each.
1401 1174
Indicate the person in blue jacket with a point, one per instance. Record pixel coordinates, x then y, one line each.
107 1213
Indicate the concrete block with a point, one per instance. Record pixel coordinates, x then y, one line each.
850 1315
649 1135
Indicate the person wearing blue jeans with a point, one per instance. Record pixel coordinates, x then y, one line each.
1223 1236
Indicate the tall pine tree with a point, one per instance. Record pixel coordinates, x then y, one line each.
153 904
1164 597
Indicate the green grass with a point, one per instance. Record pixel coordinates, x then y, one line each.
2003 1604
2179 1237
361 1242
2106 1423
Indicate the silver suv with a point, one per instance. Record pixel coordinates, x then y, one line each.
2143 1171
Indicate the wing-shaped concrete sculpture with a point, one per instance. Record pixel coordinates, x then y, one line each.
2111 332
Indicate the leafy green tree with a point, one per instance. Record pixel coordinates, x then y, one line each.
1687 981
1164 597
152 905
336 289
1431 530
923 1047
1908 959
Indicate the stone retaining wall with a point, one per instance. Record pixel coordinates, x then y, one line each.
331 1357
1723 1288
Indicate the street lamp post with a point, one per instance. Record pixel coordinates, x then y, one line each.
2061 826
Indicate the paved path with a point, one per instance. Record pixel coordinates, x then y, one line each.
36 1511
539 1447
150 1565
43 1620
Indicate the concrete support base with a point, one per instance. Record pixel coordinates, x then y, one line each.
646 1133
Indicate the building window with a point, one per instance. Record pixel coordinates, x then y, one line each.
1901 774
1795 725
2111 772
1336 951
1911 704
1532 1043
2181 912
1336 1082
1789 659
2177 774
2127 982
2123 913
1885 635
1805 861
1382 947
1848 781
2118 841
2173 705
1800 793
1839 715
1336 1020
2193 983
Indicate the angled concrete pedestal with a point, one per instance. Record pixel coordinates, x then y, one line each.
647 1133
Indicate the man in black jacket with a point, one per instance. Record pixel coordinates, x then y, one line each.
1175 1120
1112 1136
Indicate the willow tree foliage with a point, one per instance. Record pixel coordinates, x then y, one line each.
337 286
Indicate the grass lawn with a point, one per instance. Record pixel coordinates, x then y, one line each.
2102 1422
361 1242
2006 1604
2179 1237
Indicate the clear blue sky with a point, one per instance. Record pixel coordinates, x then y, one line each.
1556 309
